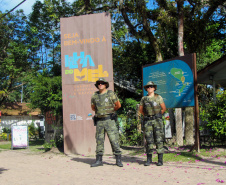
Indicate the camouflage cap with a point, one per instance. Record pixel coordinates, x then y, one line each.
150 83
102 80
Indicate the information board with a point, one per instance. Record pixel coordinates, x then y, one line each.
174 79
19 137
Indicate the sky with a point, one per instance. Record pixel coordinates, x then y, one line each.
26 6
10 4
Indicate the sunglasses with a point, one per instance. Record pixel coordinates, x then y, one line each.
150 86
99 83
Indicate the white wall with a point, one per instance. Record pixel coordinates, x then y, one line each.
8 121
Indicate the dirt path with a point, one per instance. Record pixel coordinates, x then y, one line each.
20 167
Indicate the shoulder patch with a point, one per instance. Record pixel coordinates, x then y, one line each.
110 92
156 95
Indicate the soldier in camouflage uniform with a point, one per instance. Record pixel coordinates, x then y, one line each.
152 107
105 102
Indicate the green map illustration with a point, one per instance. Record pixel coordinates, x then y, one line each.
179 74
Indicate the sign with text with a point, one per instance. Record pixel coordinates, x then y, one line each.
19 136
174 79
86 55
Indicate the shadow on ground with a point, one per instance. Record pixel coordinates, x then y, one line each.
3 169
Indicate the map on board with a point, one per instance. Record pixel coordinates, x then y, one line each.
174 80
179 74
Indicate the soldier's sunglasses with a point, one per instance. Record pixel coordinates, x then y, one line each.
150 86
103 83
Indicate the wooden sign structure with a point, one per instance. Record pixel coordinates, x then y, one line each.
86 55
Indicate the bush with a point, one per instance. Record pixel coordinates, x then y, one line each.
130 134
6 130
214 115
4 136
128 124
60 141
49 145
32 130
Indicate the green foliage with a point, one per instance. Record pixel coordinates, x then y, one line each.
214 115
211 53
32 130
130 134
47 93
4 136
128 58
49 145
59 140
129 105
13 56
6 130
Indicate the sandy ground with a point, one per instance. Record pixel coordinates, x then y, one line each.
21 167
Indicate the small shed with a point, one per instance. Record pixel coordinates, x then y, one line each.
214 73
19 114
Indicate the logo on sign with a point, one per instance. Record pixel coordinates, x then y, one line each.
90 75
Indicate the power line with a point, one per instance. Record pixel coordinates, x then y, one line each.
13 9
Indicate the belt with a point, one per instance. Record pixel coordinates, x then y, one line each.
152 117
103 118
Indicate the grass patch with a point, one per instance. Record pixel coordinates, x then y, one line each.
181 154
35 145
181 157
5 146
36 142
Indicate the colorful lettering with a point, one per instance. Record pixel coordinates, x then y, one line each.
72 62
90 75
70 35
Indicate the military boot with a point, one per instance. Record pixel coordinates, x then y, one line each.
98 161
149 160
160 160
118 161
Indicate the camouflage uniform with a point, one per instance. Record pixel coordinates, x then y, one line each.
104 104
153 129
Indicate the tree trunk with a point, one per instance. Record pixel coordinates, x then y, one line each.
53 127
138 116
179 129
172 121
189 125
188 111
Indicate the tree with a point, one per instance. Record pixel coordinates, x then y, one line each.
47 93
13 56
47 96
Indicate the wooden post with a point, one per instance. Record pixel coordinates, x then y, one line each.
197 133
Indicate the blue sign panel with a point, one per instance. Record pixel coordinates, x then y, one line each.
174 80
